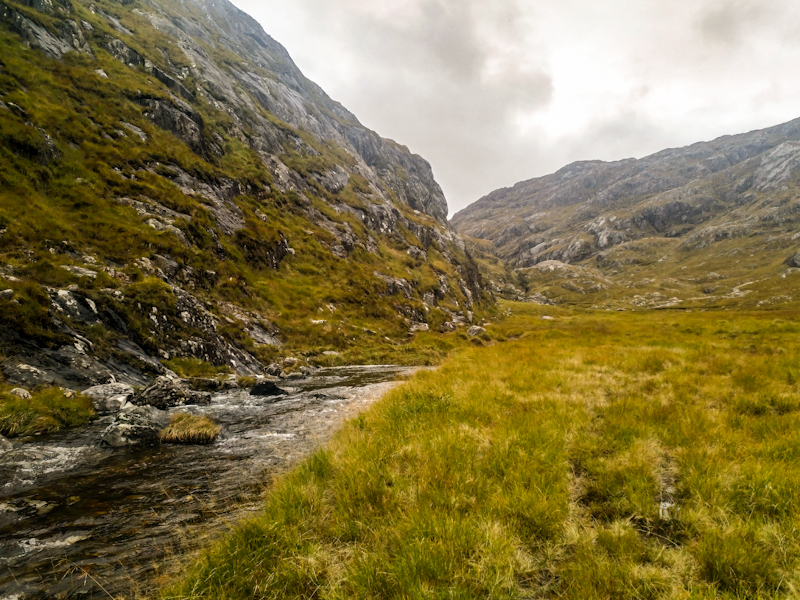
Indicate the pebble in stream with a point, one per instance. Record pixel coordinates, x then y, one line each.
81 521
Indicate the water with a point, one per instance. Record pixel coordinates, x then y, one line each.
81 521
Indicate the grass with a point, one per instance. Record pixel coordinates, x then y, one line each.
185 428
540 468
48 409
195 367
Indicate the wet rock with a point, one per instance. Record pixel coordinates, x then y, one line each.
5 445
137 426
109 399
274 369
475 331
266 388
167 393
21 393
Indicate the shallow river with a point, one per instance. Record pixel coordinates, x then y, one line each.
81 521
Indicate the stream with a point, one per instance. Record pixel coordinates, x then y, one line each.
81 521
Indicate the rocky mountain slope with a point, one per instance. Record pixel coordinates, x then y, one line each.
712 224
174 193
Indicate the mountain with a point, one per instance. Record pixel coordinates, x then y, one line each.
712 224
174 193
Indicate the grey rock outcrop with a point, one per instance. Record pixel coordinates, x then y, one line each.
266 388
475 330
5 445
166 393
109 399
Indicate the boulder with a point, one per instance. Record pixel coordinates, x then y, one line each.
6 294
135 426
109 399
475 331
5 445
274 369
266 388
447 326
793 261
21 393
166 393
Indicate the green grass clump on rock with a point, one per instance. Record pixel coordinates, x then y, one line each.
48 409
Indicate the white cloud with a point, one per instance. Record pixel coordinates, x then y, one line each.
495 92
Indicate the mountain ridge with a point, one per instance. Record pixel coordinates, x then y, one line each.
691 201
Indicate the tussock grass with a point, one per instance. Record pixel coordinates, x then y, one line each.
542 467
185 428
48 409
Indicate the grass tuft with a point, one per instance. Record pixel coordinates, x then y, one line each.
185 428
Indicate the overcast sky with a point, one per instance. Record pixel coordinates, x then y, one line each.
492 92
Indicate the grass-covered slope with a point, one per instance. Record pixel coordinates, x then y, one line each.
164 196
625 456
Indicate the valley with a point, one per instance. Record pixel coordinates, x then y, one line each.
244 354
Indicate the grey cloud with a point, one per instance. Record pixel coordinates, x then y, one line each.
728 22
425 84
450 78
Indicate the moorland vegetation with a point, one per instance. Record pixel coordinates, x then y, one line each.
591 455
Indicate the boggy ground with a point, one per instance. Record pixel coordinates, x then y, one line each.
597 455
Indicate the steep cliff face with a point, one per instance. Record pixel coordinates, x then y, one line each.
172 187
596 232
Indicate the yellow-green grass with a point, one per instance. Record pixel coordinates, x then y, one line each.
536 468
48 409
195 367
185 428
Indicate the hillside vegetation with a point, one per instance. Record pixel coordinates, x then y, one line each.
172 187
587 456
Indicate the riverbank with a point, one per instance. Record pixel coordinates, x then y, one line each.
593 455
80 520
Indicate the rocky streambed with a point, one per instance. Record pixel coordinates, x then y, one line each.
82 520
